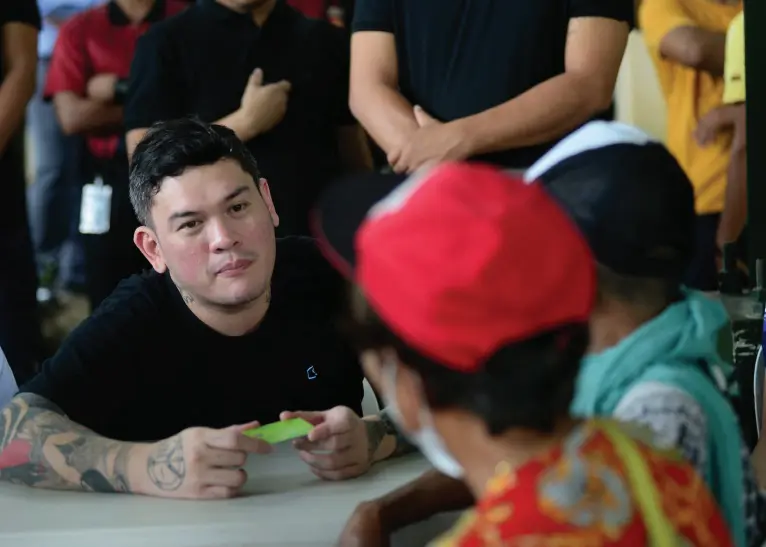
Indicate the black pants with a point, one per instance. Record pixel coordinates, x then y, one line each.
20 336
112 257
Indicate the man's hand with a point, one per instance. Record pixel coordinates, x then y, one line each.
434 142
202 463
365 528
341 445
710 126
263 106
101 87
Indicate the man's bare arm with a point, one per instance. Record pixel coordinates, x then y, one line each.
19 46
428 495
374 95
234 121
78 115
41 447
695 48
594 51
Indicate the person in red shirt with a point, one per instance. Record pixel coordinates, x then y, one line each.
472 294
87 81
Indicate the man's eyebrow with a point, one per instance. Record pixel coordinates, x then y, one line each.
186 214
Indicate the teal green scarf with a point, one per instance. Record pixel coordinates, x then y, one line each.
670 349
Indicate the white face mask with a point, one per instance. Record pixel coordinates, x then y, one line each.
426 438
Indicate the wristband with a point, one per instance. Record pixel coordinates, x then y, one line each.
121 91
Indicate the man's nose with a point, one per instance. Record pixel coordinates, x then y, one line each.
222 236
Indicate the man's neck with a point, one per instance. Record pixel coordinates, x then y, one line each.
135 10
610 323
235 321
481 455
260 13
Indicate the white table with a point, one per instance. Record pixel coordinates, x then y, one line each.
284 505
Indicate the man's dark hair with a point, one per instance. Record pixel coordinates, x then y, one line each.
171 147
647 295
526 385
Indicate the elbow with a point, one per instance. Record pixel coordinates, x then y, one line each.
597 96
355 101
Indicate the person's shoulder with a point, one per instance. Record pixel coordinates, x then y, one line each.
85 20
147 292
181 19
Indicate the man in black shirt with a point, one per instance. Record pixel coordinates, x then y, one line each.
274 76
499 81
232 326
19 329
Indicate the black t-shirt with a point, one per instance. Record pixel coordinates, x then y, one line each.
198 63
461 57
143 367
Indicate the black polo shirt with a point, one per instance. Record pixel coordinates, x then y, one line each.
461 57
143 367
198 63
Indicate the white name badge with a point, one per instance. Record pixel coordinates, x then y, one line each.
95 208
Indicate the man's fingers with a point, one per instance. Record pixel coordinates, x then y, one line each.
332 442
219 492
231 478
328 462
217 457
348 472
233 438
256 78
314 418
284 85
422 117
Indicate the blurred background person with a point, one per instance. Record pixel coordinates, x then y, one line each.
20 335
274 76
496 81
87 81
686 41
53 196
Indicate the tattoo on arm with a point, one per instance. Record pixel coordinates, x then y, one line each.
379 429
40 446
166 466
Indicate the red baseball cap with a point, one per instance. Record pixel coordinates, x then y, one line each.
458 260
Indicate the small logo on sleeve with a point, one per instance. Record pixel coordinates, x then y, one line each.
311 373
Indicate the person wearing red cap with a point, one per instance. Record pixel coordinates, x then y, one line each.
473 292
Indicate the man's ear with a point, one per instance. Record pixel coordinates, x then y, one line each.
146 241
263 187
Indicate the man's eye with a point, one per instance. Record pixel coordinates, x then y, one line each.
239 207
189 225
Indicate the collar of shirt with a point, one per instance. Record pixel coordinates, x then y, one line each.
118 18
279 15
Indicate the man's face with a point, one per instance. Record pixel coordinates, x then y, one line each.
214 233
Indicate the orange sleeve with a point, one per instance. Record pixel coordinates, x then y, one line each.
658 17
70 66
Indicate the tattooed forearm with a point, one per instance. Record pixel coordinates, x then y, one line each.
378 430
41 447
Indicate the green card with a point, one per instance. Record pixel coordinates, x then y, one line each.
281 431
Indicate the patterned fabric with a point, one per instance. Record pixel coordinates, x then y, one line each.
678 421
578 495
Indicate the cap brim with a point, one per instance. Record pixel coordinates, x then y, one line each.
342 209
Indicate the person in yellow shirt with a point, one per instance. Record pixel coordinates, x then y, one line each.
730 118
686 40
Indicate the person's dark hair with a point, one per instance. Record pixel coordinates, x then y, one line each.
647 295
526 385
171 147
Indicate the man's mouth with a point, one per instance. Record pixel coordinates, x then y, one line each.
234 267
